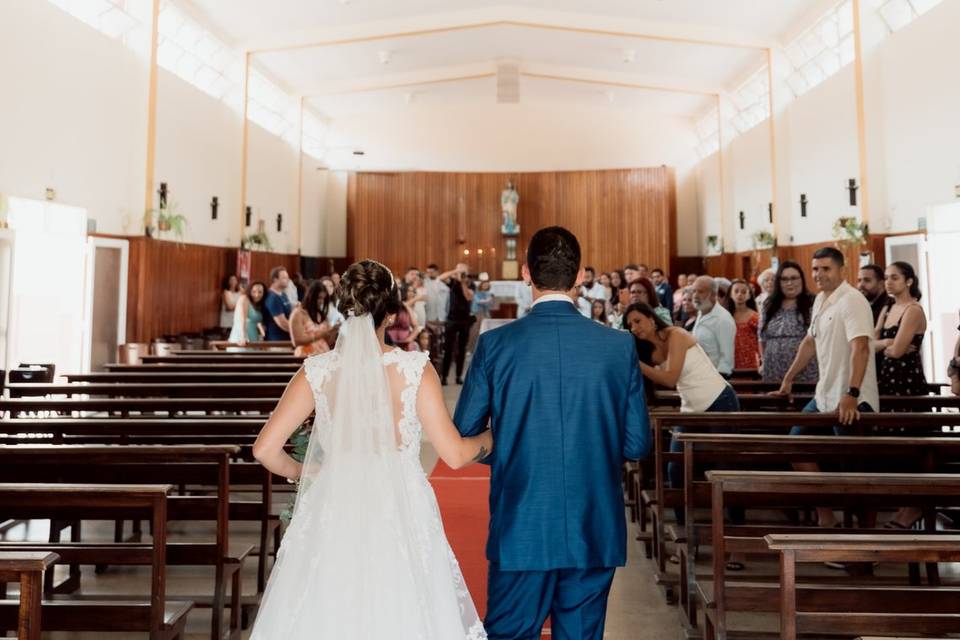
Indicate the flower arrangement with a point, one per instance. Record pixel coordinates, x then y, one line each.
713 244
851 232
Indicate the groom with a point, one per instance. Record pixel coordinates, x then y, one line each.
564 396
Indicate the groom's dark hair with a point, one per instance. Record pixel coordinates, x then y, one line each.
553 258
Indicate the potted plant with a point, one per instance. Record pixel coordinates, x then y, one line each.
257 240
713 244
850 232
763 240
168 221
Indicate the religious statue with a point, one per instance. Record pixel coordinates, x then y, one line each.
509 199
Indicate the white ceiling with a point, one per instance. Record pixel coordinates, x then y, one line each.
456 40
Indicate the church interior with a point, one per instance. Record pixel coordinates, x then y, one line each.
183 184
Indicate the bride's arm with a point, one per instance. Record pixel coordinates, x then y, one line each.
455 450
294 407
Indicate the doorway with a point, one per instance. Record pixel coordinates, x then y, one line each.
105 304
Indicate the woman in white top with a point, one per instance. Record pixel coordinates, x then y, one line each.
228 300
677 360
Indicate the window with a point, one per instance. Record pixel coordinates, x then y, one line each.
897 14
821 50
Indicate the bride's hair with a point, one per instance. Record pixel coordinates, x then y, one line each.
368 287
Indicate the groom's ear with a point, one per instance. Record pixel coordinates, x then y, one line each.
581 275
525 274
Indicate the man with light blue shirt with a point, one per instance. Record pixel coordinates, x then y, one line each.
715 329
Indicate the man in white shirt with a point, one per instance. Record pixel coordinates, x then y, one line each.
591 289
841 336
715 329
437 295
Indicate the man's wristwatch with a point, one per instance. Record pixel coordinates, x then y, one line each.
853 392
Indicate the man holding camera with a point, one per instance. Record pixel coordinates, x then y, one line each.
459 319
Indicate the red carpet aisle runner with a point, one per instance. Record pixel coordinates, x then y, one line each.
462 496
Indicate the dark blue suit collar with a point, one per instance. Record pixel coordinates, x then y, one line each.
554 308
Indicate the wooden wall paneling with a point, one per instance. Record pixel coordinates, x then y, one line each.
413 218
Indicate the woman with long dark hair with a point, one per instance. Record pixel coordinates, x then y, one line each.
899 334
229 296
784 323
248 315
313 323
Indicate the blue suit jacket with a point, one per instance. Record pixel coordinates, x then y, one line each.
564 396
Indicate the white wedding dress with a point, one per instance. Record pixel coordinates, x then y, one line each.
365 556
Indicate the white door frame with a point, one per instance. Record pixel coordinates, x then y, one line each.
93 243
8 237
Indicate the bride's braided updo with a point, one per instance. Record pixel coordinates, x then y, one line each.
368 287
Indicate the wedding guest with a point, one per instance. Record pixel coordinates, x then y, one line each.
229 296
840 335
642 290
248 316
643 271
688 311
870 283
630 273
678 295
300 283
604 280
598 312
899 339
899 335
331 286
953 368
678 361
459 320
663 289
723 290
437 295
313 322
618 283
276 319
715 329
743 308
581 303
424 342
591 288
767 282
784 323
404 330
481 307
293 294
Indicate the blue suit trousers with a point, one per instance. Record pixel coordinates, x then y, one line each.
520 601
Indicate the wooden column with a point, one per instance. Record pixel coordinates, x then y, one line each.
861 118
773 144
723 177
244 145
300 182
152 108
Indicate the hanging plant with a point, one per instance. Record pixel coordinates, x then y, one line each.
168 221
257 240
300 439
850 232
713 243
763 240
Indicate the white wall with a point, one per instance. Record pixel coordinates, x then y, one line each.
72 115
911 101
523 137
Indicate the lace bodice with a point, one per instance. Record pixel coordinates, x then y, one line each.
408 364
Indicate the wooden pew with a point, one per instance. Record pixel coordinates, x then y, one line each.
137 406
761 489
161 619
229 358
759 386
771 452
277 349
221 345
244 473
216 367
159 376
27 569
204 466
766 402
152 390
921 611
661 499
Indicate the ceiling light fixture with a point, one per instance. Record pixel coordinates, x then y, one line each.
384 57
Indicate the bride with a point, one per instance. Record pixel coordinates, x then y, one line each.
365 555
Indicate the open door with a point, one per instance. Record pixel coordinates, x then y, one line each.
105 304
913 250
